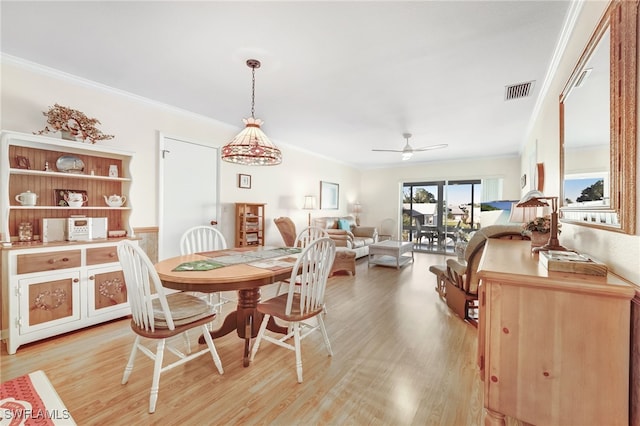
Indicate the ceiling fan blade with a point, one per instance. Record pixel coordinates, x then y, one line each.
408 151
429 148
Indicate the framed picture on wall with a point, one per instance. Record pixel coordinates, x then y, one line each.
329 195
244 181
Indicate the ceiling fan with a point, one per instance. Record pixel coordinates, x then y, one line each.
408 151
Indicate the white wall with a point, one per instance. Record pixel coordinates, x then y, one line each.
619 251
381 186
28 90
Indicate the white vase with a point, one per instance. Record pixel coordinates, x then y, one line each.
67 136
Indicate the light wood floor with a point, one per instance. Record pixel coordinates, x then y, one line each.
400 358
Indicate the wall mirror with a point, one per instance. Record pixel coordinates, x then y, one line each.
598 127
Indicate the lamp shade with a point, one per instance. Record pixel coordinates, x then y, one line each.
357 208
533 198
252 147
522 214
309 202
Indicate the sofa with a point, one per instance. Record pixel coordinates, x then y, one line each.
347 233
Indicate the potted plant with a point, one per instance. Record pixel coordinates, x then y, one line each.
72 124
538 230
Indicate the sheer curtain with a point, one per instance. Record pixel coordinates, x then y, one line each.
491 189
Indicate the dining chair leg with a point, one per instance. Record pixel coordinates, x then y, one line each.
132 357
187 343
256 342
219 303
296 342
324 334
212 349
157 369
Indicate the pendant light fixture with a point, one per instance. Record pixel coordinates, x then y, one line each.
251 146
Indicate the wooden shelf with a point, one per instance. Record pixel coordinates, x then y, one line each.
31 172
37 151
249 224
66 208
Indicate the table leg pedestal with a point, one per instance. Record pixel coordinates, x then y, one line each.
245 320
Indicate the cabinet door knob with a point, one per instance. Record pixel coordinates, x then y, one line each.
76 280
92 277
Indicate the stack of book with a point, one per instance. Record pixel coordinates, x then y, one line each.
568 261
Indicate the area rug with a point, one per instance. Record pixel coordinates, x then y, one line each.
32 400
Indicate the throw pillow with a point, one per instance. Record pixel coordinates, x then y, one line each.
344 224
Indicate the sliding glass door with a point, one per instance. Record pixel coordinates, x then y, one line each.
436 213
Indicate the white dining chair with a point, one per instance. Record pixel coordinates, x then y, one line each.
310 274
303 239
155 315
204 238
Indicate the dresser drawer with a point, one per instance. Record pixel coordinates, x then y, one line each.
99 255
49 261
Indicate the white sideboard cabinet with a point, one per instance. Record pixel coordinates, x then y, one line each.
52 287
53 290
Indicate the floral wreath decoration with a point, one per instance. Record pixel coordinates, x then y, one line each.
74 122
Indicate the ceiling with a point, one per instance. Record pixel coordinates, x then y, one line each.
337 78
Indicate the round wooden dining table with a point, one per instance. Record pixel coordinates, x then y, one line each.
243 277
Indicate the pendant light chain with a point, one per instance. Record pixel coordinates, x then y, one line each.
253 91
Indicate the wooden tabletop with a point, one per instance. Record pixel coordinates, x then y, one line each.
232 277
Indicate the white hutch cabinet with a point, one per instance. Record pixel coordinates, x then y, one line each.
53 287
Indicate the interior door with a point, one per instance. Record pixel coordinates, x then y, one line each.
189 190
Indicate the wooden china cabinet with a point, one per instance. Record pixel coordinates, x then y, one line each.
54 286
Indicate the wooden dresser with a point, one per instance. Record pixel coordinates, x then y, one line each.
553 347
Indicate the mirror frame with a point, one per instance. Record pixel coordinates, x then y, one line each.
621 19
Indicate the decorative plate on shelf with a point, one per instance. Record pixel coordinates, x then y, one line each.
70 164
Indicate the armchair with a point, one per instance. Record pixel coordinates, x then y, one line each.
460 277
287 229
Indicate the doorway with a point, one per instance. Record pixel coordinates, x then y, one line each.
189 175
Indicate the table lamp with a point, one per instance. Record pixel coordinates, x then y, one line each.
309 204
357 209
536 198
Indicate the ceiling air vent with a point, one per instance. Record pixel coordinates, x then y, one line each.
517 91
